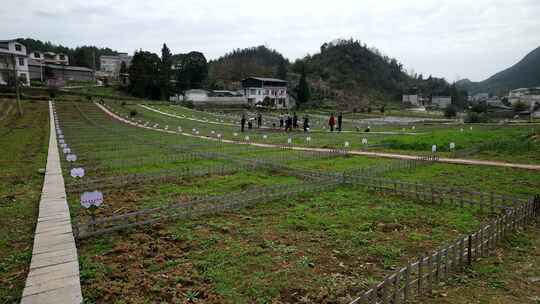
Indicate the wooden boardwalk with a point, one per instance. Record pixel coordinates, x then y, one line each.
54 270
457 161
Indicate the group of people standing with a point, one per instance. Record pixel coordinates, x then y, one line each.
332 122
291 122
243 121
288 122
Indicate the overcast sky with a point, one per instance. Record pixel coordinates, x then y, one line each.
452 39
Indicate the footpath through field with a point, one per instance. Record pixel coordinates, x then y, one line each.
54 270
458 161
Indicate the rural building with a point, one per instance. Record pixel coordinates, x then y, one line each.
110 65
13 59
411 99
529 96
211 98
480 97
268 92
441 101
49 57
43 72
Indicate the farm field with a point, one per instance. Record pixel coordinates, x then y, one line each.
23 143
186 219
494 142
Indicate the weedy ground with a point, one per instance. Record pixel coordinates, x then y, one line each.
23 142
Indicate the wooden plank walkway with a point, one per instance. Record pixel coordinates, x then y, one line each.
54 270
457 161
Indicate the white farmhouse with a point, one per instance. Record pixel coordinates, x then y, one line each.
441 101
110 65
268 92
529 96
411 99
13 58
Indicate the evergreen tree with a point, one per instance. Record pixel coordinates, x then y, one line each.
165 72
282 70
193 73
144 75
302 90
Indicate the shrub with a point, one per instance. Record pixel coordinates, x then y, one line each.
480 107
133 113
520 107
53 92
473 117
123 104
450 111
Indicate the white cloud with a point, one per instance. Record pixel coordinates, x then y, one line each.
471 39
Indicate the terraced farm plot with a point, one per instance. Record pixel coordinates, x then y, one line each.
497 142
23 142
188 219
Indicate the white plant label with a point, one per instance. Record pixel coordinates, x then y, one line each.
347 144
212 132
434 148
71 157
235 134
247 138
452 146
89 199
308 139
265 136
77 172
364 141
289 140
219 135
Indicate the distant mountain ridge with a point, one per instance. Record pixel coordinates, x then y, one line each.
525 73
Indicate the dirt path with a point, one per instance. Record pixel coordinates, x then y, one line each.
458 161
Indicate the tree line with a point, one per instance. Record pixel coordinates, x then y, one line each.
155 77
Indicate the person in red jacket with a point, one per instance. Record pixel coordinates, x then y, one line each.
332 122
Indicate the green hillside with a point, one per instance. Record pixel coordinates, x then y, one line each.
525 73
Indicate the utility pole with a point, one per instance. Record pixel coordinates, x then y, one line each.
17 92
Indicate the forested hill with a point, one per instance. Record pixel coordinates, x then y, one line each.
261 61
79 56
525 73
353 74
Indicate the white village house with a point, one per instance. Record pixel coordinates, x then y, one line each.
529 96
110 65
255 92
441 102
13 58
411 99
268 92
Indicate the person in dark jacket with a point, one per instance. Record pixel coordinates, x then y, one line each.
340 121
295 121
259 120
243 122
288 124
332 122
306 123
281 121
